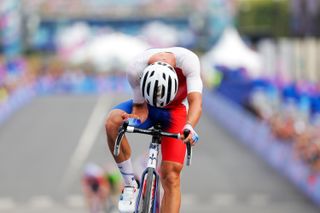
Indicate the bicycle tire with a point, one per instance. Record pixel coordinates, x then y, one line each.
148 200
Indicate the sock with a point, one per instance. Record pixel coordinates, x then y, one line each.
126 171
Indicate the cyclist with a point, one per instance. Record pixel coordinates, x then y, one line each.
95 187
167 88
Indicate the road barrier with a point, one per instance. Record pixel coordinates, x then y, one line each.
15 101
47 86
257 135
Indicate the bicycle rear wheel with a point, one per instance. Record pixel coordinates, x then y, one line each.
150 192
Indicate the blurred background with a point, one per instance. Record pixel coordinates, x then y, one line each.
62 68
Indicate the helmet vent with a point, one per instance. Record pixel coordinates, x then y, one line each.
148 89
162 91
176 86
144 83
169 90
155 92
164 76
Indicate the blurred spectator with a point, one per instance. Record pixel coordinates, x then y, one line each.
291 110
3 95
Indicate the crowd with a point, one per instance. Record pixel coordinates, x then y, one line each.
16 85
25 77
292 110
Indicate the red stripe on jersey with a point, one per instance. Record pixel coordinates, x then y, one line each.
182 89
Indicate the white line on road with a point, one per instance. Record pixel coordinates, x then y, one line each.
188 199
223 199
41 202
258 199
75 201
6 204
87 139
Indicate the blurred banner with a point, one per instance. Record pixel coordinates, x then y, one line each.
10 25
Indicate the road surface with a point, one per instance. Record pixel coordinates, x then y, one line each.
45 145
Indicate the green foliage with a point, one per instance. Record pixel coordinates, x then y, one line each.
264 17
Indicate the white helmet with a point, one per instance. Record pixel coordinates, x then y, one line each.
159 84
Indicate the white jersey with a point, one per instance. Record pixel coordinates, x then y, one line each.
187 69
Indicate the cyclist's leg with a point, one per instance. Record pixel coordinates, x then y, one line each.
113 122
173 153
170 180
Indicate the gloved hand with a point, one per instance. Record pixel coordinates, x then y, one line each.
134 122
193 137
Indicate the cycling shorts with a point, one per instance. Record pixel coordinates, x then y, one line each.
171 120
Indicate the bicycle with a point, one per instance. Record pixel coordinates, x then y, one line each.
148 200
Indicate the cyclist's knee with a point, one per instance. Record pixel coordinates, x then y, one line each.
170 174
113 121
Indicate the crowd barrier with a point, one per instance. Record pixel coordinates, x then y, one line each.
15 101
257 135
23 95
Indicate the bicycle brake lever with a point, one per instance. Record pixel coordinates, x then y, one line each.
186 133
121 131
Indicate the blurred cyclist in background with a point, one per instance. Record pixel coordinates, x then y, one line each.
95 188
167 88
99 185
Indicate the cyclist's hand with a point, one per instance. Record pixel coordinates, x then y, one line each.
193 137
139 112
134 120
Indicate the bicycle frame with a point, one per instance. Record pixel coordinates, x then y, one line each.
151 168
154 149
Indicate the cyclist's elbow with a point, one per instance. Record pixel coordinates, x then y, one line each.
113 121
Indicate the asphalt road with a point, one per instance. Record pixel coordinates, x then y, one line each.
45 145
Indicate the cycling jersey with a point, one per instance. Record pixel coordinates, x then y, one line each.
187 68
172 117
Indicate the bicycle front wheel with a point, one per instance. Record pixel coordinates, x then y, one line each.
150 193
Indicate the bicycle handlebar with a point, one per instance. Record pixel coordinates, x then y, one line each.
125 127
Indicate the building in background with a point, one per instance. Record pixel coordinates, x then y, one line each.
305 17
10 25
